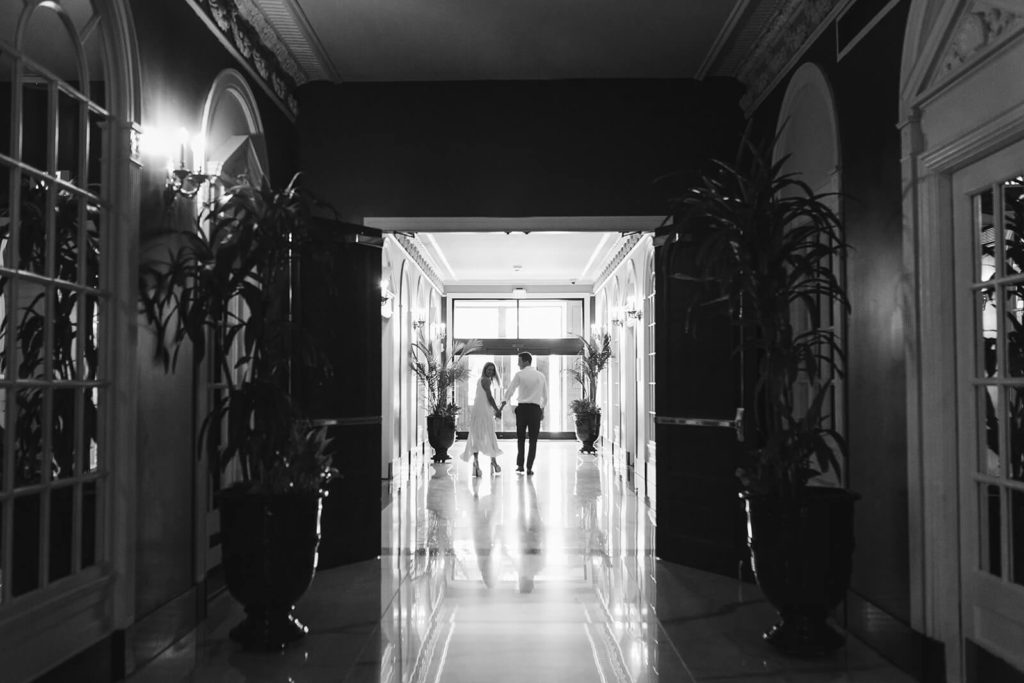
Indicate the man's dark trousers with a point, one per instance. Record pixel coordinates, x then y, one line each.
528 417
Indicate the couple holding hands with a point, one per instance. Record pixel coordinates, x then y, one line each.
533 396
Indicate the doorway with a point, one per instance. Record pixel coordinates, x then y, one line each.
989 253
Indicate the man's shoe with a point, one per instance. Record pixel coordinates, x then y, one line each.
519 470
529 473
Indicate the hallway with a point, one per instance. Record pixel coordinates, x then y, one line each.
512 578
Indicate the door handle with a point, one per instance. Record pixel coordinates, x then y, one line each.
736 423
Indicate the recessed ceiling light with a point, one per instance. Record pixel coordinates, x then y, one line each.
517 268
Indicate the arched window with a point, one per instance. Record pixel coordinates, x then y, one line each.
67 79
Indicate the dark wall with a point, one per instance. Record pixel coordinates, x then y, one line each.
179 60
508 148
866 88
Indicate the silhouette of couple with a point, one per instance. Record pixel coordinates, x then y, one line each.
532 388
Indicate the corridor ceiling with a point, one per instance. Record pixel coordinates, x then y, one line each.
488 40
458 40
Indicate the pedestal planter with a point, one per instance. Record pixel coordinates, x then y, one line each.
802 550
269 556
588 428
440 436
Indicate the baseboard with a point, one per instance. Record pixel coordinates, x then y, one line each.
164 626
915 653
103 661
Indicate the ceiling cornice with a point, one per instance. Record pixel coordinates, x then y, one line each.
516 224
768 40
243 29
411 247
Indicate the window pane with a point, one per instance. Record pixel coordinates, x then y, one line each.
6 93
96 126
34 118
61 526
984 229
90 433
48 41
1014 311
30 334
64 426
25 572
987 356
990 535
1015 426
36 203
88 523
990 403
69 138
546 319
28 437
1017 536
1013 216
484 319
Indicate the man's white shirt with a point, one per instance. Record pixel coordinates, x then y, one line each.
532 386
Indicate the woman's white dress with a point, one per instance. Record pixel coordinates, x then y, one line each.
482 438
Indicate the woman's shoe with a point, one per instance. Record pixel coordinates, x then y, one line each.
476 470
495 467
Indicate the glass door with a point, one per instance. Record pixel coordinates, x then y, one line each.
547 328
990 368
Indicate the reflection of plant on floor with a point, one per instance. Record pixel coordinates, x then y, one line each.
71 317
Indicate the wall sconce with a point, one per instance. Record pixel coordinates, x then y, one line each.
181 180
617 316
387 299
633 314
438 330
419 318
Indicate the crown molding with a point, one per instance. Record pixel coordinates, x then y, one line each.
411 247
243 29
517 224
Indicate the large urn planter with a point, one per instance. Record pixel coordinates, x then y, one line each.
588 428
802 550
440 436
269 545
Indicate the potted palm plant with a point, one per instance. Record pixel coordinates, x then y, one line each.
591 360
438 372
768 248
224 288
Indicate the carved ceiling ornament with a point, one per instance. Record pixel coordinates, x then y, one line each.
983 26
243 26
412 247
784 36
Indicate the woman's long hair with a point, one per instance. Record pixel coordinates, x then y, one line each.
495 378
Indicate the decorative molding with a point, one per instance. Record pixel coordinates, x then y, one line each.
301 41
982 28
628 242
411 247
784 37
517 224
242 28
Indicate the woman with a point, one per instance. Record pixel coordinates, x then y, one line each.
482 437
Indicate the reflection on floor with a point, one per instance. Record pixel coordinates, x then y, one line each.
512 578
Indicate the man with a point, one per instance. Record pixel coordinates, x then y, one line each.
533 396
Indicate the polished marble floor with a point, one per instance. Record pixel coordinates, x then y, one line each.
512 578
